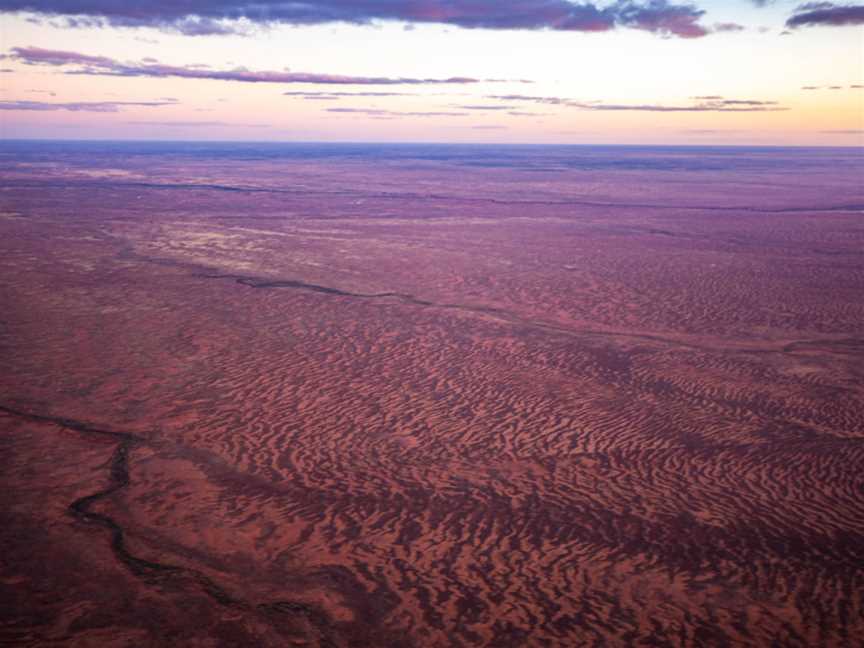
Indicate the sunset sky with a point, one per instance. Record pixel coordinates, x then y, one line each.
533 71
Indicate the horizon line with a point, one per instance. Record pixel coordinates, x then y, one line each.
4 140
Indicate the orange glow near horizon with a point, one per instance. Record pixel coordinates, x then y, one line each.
597 71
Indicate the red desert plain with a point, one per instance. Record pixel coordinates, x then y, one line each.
410 396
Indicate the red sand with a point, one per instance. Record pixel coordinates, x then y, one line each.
429 405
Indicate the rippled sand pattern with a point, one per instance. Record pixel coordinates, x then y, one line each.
403 399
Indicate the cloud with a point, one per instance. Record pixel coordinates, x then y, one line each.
194 124
382 113
80 106
708 103
310 94
39 56
660 17
815 14
485 107
378 112
745 102
105 66
711 131
489 127
188 26
555 101
842 132
208 17
832 87
724 106
727 27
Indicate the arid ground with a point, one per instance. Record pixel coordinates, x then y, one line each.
351 396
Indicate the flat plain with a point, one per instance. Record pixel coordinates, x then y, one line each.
409 396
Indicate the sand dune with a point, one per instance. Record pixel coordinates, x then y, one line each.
300 402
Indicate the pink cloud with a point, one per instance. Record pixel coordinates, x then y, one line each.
104 66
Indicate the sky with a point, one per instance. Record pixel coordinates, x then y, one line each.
718 72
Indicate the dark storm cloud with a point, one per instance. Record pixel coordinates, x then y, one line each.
80 106
105 66
205 17
829 14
